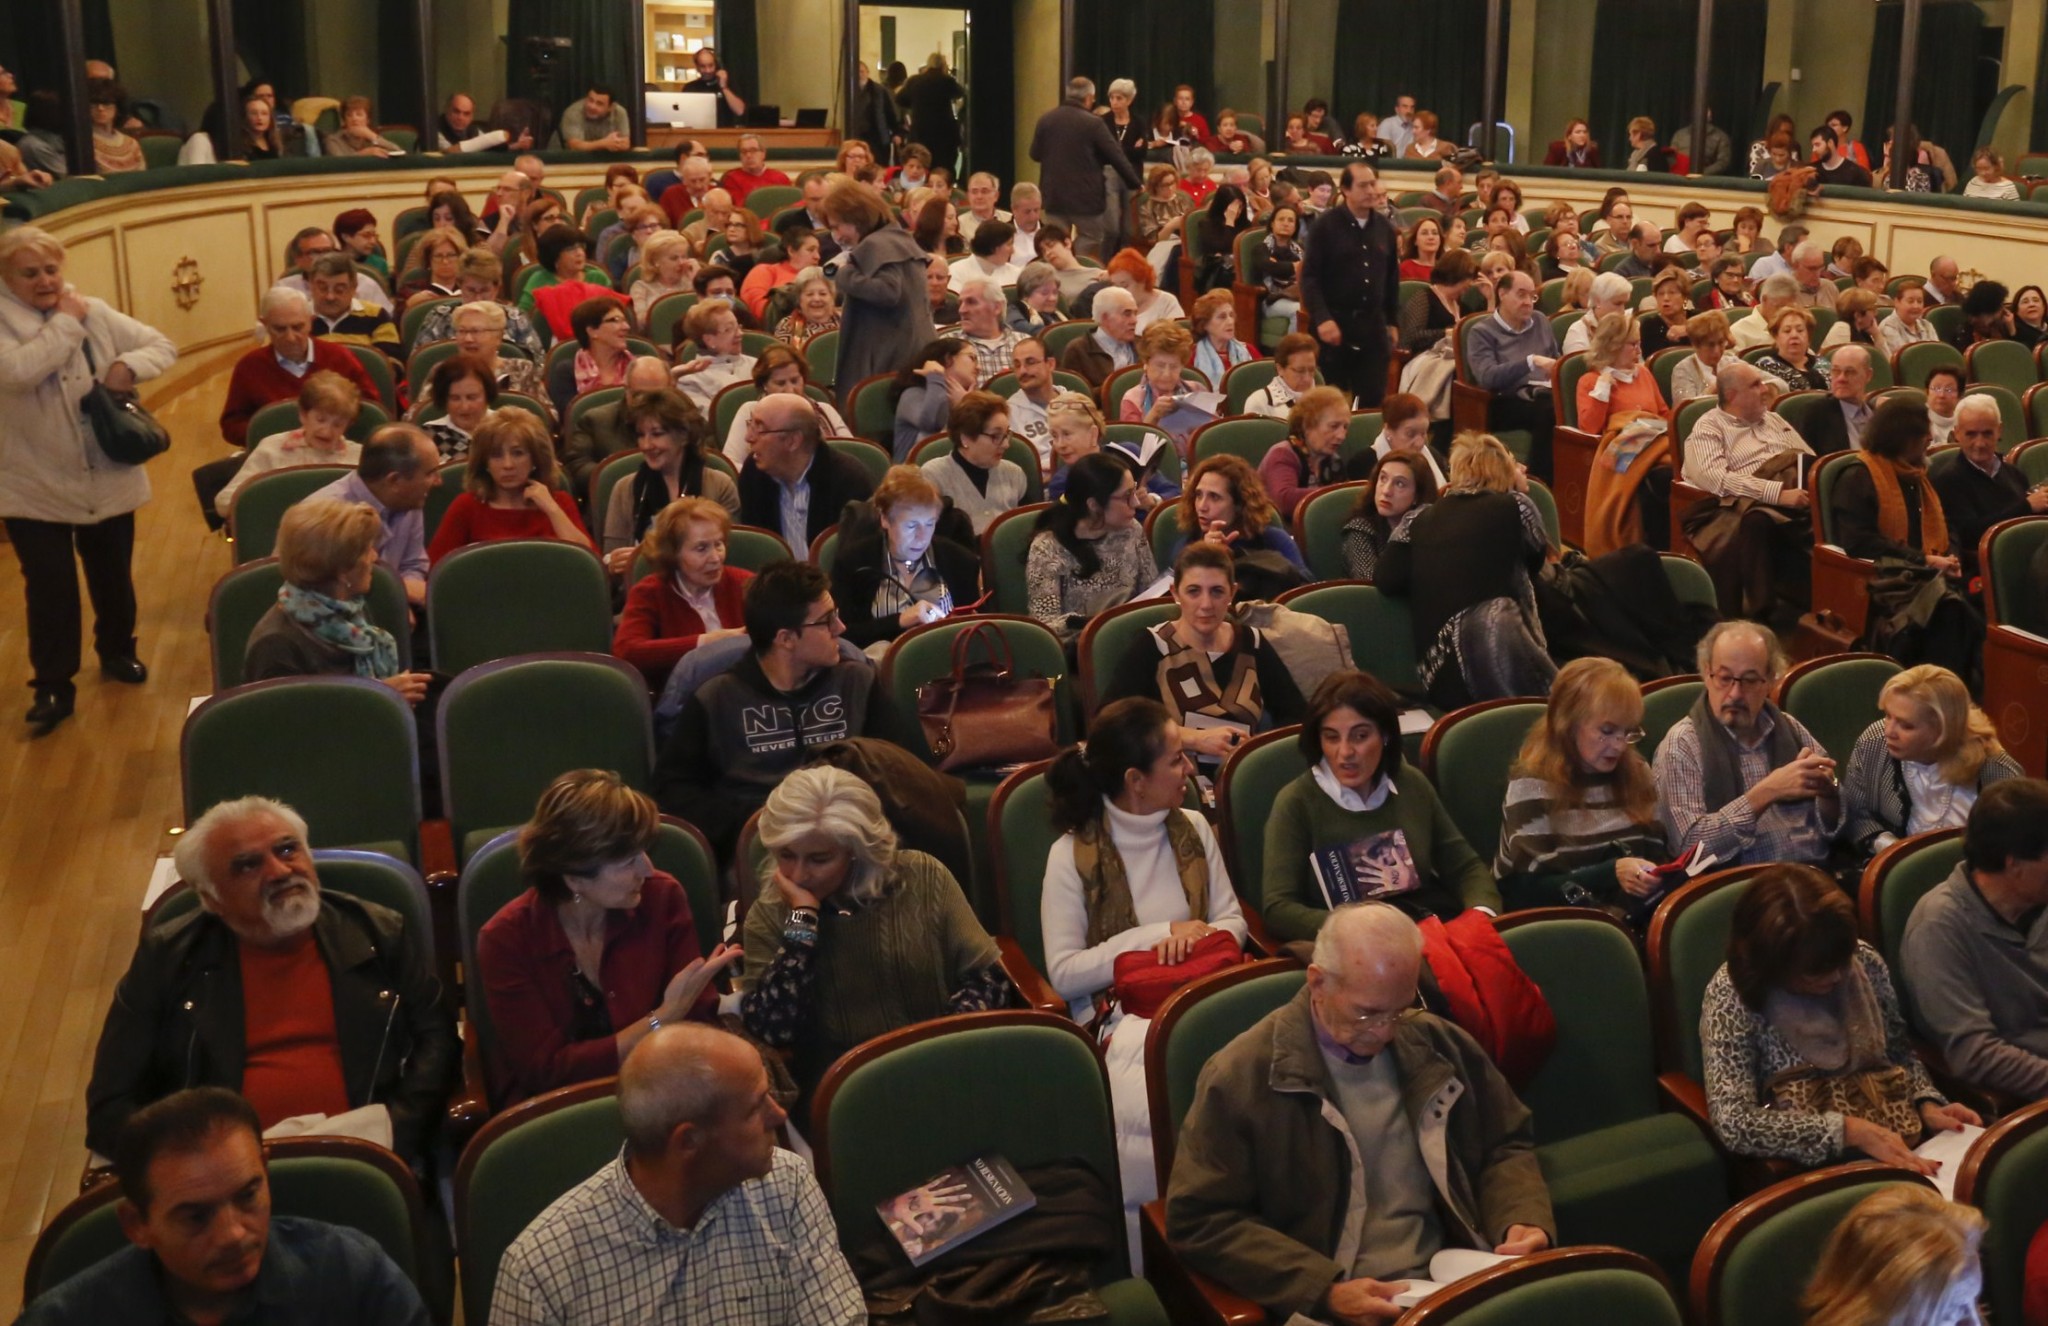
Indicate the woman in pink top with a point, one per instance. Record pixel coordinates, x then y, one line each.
509 492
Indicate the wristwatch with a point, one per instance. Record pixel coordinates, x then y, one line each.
653 1022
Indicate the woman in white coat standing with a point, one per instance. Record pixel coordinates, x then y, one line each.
1133 873
63 500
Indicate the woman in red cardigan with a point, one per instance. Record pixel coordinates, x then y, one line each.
690 598
509 491
598 951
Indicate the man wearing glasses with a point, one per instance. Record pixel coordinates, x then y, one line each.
743 731
1738 775
792 482
1349 1136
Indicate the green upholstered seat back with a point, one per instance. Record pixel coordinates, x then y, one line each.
1472 752
563 595
1603 1069
1837 700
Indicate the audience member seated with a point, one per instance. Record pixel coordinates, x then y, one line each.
1738 776
1579 825
601 326
778 371
481 277
1809 273
989 254
1428 315
752 173
792 483
479 330
1609 294
356 138
1113 343
1216 347
740 733
974 477
1670 291
1973 952
1294 361
1037 303
1617 384
814 309
926 394
1226 504
305 1003
1944 405
1219 679
1856 319
688 596
1131 873
1308 457
1708 335
113 152
466 395
982 302
1885 508
2030 315
1511 355
1159 398
1922 766
1399 483
1987 316
509 490
277 370
1077 427
717 209
1467 565
1805 1049
1759 330
602 431
461 133
667 267
1035 391
558 291
1755 537
679 1221
356 231
395 471
688 194
852 935
1980 490
1130 270
1359 796
896 570
672 439
438 256
1901 1254
328 404
1352 1078
721 360
1576 148
182 1163
598 952
1088 552
595 124
800 251
340 317
942 304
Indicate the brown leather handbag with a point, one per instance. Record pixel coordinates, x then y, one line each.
984 715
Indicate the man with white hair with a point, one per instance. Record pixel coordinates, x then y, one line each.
1980 490
1073 146
275 370
1113 343
984 191
1809 271
303 1002
1753 332
1944 282
1347 1137
981 326
1841 428
700 1218
1027 215
1758 533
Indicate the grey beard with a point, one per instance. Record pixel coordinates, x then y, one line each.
291 915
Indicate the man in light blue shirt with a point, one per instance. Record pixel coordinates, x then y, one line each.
399 466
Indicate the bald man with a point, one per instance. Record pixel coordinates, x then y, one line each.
601 433
793 483
1352 1071
700 1218
1756 541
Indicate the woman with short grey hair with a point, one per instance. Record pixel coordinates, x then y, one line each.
853 936
1135 138
63 498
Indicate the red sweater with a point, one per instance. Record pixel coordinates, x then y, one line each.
658 627
258 381
739 183
293 1056
524 959
470 521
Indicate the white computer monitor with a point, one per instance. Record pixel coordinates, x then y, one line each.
683 110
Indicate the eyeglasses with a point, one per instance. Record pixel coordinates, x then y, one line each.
1748 681
1127 496
830 619
1377 1019
1627 736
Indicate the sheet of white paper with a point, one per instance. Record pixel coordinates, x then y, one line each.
1414 722
371 1123
1158 589
1949 1148
1208 401
194 703
162 876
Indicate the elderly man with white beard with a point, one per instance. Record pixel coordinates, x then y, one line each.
304 1003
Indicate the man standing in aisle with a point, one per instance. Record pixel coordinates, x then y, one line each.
1351 287
1072 145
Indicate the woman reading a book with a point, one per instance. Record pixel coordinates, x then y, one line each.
1077 428
853 936
1220 680
1580 821
1136 881
1805 1050
1361 823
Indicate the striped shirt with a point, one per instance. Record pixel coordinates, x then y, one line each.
1536 841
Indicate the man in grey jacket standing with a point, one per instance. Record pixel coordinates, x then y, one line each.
1072 145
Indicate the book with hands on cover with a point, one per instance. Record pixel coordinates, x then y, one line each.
1380 866
955 1205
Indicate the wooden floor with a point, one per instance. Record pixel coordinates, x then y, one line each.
86 811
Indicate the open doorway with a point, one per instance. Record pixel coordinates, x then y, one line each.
898 41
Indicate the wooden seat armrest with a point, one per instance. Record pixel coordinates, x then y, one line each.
1189 1296
1030 982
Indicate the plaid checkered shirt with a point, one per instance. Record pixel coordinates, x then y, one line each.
1785 831
765 1253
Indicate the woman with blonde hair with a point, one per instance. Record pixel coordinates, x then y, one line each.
1618 382
320 624
437 259
667 267
1580 824
1921 766
1856 316
1611 293
1578 289
1696 374
1903 1256
1077 428
509 490
1467 564
851 935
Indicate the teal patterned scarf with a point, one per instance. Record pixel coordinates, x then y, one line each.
341 623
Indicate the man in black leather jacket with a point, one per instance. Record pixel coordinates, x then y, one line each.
180 1017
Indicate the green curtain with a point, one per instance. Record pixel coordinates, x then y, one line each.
270 36
2039 134
991 90
1431 51
1142 42
398 67
1944 80
1644 49
736 35
599 31
34 43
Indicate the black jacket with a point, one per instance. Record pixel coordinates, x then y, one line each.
835 481
1352 272
177 1021
1071 146
857 571
1974 501
1826 430
876 118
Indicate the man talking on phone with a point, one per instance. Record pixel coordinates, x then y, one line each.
715 79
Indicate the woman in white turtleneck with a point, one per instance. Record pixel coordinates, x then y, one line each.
1132 871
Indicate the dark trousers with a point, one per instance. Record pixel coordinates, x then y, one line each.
1358 362
1533 414
46 549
